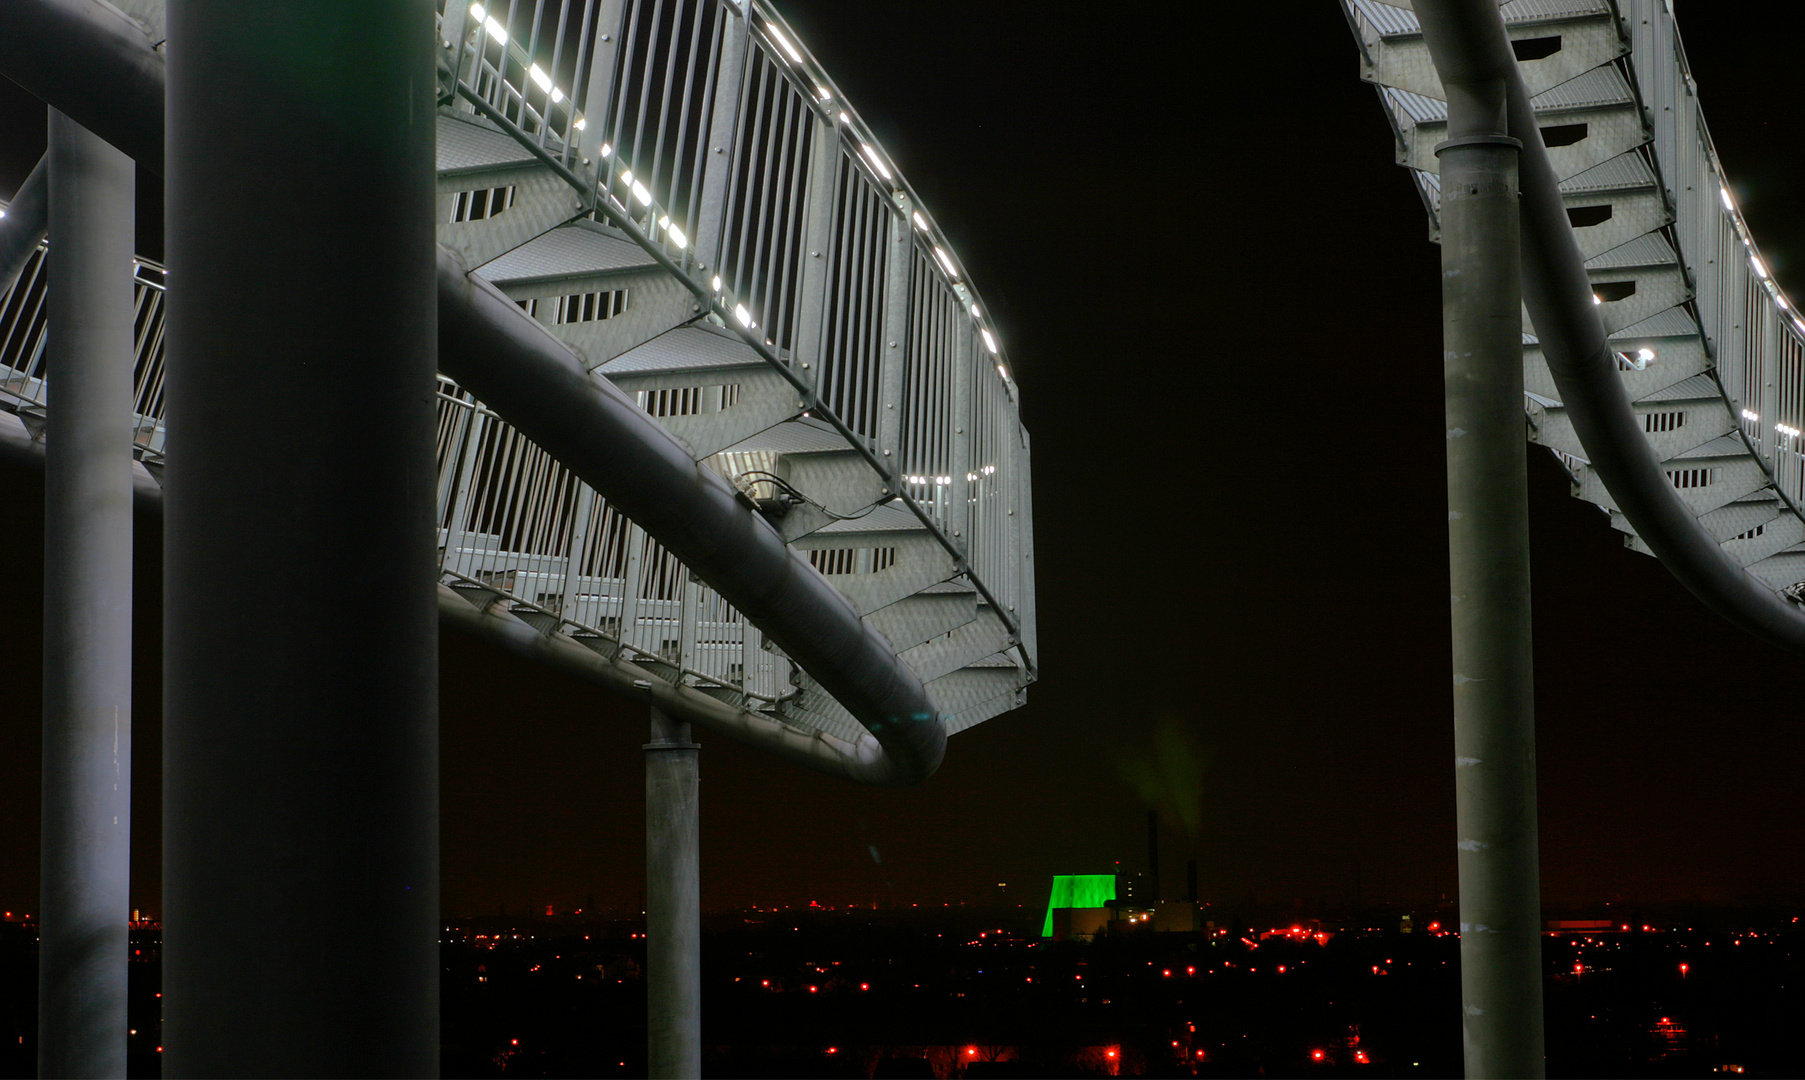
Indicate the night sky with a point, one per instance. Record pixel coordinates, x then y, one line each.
1218 298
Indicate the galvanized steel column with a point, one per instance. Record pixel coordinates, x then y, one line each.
87 793
673 904
1488 556
300 754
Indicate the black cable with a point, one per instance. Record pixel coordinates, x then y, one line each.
784 485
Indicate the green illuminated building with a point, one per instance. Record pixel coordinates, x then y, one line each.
1080 891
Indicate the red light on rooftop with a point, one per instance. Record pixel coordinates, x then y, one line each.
515 1042
1190 971
814 989
1167 973
833 1049
864 986
1360 1056
1111 1053
971 1051
1316 1055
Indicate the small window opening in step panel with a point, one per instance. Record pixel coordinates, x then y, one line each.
481 203
1582 216
1536 48
1562 135
1611 291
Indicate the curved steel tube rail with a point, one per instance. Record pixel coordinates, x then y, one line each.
862 760
1606 408
843 643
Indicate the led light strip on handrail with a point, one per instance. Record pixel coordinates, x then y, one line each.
734 314
867 148
826 97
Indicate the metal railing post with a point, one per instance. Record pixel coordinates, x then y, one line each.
899 260
632 588
964 463
453 26
598 94
673 903
688 601
457 528
822 198
574 563
1488 556
721 143
447 480
87 792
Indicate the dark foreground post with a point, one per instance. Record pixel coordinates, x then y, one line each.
300 679
673 905
87 794
1488 555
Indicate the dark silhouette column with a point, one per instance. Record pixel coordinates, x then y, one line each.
87 793
300 679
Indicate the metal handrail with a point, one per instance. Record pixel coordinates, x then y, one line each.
145 142
651 229
1739 288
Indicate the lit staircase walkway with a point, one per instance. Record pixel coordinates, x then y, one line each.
716 234
1711 353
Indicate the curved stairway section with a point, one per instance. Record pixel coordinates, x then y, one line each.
1710 352
688 212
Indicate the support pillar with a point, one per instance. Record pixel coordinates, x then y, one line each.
1488 555
673 905
87 793
300 674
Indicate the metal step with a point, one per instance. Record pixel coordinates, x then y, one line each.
1708 477
933 612
1600 99
1675 420
972 695
530 198
983 636
709 388
1587 35
1671 336
913 559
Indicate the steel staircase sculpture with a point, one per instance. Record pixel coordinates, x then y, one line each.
679 196
1709 350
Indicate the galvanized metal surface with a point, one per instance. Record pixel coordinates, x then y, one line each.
717 233
87 668
1678 281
